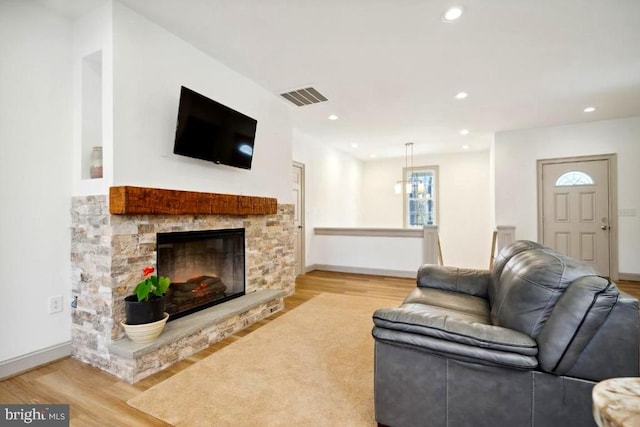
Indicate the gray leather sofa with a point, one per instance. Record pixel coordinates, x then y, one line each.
520 345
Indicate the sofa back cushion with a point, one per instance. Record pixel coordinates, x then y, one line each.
501 260
529 287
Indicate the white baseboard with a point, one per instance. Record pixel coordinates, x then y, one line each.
16 365
634 277
361 270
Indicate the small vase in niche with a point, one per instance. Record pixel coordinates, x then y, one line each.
95 168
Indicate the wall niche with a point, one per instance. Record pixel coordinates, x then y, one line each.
91 116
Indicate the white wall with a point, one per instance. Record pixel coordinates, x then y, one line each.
371 254
342 191
516 153
35 176
464 213
150 65
380 205
332 189
93 35
40 152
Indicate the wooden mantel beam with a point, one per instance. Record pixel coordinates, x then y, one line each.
128 200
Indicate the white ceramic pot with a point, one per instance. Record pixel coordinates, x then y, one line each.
145 332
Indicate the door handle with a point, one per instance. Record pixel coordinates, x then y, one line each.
604 227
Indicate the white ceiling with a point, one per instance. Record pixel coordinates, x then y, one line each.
391 68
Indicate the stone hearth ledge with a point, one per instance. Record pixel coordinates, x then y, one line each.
196 322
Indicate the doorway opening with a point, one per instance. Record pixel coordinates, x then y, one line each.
298 217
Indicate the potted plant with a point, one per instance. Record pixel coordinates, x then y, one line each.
145 315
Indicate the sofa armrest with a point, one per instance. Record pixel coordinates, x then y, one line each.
456 338
466 280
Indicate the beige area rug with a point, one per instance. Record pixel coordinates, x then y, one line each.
313 366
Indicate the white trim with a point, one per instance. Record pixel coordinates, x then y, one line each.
632 277
303 230
431 245
506 236
17 365
362 270
375 232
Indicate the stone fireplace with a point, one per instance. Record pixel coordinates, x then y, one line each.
109 252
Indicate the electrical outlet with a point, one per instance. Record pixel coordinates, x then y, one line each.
55 304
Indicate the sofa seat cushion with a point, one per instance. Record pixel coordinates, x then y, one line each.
455 325
429 321
454 304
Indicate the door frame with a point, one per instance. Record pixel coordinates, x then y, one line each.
303 248
613 201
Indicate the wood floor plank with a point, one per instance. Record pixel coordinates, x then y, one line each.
99 399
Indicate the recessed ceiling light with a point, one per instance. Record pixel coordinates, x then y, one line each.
465 147
354 145
333 117
461 95
453 13
590 109
373 156
464 132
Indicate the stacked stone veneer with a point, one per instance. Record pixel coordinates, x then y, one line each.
109 252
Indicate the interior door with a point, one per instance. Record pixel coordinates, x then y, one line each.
298 215
575 211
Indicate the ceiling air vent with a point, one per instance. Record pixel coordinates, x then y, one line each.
302 97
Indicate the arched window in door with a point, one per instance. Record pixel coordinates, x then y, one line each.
574 178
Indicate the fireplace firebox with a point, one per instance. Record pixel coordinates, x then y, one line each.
205 267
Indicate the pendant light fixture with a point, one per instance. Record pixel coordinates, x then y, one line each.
408 148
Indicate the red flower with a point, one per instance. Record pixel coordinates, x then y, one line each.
147 271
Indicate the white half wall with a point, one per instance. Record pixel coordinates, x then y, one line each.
371 254
332 189
35 175
150 65
516 153
464 214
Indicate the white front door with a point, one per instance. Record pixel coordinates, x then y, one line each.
298 216
575 211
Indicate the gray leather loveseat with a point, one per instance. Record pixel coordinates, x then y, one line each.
520 345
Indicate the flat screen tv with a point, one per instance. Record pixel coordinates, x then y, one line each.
210 131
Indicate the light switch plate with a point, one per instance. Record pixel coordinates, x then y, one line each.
627 212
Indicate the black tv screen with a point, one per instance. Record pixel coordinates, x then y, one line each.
210 131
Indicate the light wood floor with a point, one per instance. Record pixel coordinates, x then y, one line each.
629 287
99 399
